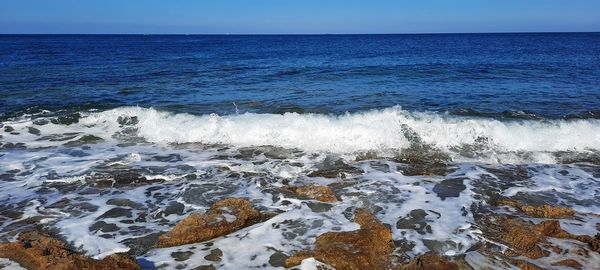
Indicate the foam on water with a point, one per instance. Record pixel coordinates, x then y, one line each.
379 131
190 161
10 265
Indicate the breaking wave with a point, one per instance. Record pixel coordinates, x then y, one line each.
378 131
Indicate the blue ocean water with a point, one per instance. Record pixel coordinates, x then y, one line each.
550 75
108 141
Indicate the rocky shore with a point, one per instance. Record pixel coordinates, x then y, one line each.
519 230
510 239
35 250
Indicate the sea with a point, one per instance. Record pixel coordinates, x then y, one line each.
440 124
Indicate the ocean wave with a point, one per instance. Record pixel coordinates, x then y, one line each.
380 131
366 131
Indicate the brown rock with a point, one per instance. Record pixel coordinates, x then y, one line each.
569 263
370 247
429 261
541 211
522 237
552 228
223 217
320 193
422 159
529 239
523 265
35 250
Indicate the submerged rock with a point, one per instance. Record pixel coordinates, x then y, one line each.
415 220
40 121
124 120
422 159
14 146
104 227
272 152
572 157
370 247
122 202
35 250
523 265
568 263
424 169
124 178
320 193
33 131
540 211
115 213
180 256
277 259
86 139
140 245
215 255
528 239
223 217
333 168
449 188
66 119
429 261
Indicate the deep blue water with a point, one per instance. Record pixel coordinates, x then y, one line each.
549 75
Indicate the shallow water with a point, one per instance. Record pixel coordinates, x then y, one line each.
62 177
423 140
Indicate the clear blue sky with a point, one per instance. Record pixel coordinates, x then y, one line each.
301 16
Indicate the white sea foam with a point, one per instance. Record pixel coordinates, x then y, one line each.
373 130
379 131
10 265
196 175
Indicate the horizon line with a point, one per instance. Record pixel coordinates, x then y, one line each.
307 34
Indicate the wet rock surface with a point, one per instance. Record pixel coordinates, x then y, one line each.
568 263
529 239
86 139
13 146
223 217
140 245
370 247
66 119
116 212
540 211
429 261
416 220
449 188
181 255
268 151
122 202
123 179
333 168
315 192
128 120
214 255
422 159
35 250
33 131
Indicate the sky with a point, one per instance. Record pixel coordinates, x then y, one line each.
296 17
